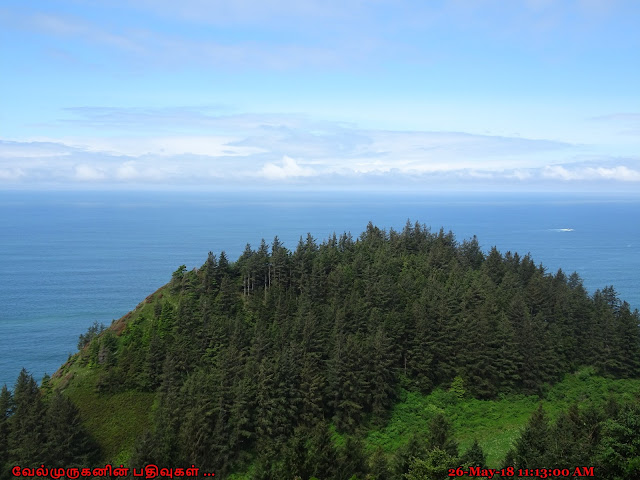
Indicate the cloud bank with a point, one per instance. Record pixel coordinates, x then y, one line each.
269 149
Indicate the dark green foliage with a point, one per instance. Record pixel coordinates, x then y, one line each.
414 448
440 436
379 466
67 442
618 453
574 436
606 438
92 332
532 449
434 466
27 427
6 409
350 383
351 460
474 456
321 453
35 430
177 278
428 457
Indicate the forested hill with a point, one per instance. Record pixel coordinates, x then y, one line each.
263 363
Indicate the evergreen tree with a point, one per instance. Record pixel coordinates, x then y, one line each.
351 460
379 466
474 456
619 451
434 466
144 451
402 459
26 442
209 272
381 373
6 409
321 461
350 384
572 438
494 266
531 449
67 442
440 436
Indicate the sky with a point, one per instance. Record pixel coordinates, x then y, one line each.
477 95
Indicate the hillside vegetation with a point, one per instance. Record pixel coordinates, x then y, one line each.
394 355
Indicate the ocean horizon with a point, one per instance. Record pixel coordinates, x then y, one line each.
70 258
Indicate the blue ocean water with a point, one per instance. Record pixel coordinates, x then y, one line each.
68 259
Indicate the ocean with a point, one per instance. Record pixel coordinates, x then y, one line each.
68 259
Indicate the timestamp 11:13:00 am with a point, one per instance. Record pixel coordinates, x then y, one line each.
510 472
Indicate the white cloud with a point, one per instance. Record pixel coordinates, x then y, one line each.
85 172
559 172
519 175
130 170
618 173
288 168
127 171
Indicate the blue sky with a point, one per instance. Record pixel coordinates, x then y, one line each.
473 95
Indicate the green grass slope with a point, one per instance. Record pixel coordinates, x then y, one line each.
496 424
115 420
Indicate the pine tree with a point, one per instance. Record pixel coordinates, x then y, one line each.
67 441
379 466
531 449
572 438
440 436
619 451
626 336
349 383
351 460
27 432
199 400
434 466
474 456
414 448
381 373
209 272
321 459
494 266
470 253
144 451
6 409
